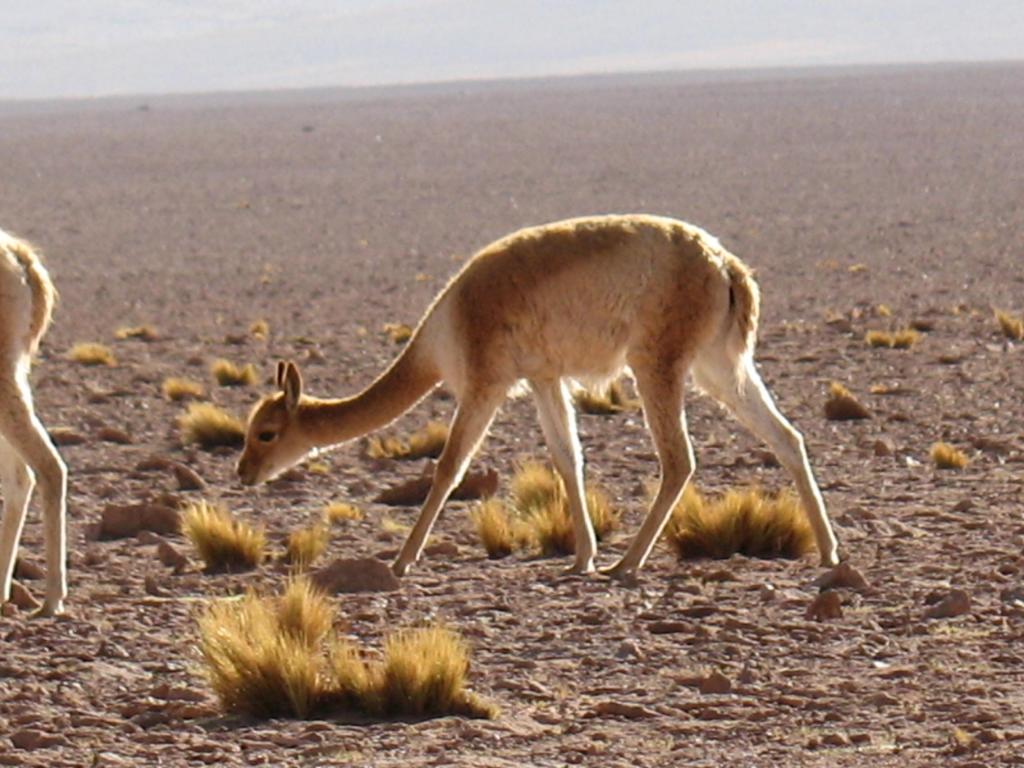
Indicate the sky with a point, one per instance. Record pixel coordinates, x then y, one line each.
70 48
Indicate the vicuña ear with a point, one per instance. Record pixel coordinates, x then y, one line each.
279 376
291 386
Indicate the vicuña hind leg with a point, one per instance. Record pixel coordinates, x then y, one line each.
558 421
661 390
29 440
748 398
17 483
472 418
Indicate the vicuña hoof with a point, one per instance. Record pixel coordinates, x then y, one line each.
399 568
48 610
580 568
624 574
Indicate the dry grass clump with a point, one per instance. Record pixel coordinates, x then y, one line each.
612 400
177 388
946 456
88 353
745 522
228 374
500 532
260 330
141 332
841 405
1012 327
425 443
306 545
541 516
209 426
340 511
269 657
893 340
399 333
224 544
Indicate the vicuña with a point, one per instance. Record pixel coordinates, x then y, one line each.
27 455
578 299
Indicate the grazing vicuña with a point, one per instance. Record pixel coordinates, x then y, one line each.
578 299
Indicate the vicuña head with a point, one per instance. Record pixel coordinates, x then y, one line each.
582 298
274 440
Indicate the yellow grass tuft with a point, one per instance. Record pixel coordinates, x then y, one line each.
88 353
177 388
896 340
501 533
399 333
269 657
260 330
1012 327
613 400
541 504
224 544
426 443
945 456
339 511
745 522
306 545
228 374
424 672
141 332
209 426
841 405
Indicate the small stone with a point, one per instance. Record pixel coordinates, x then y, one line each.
114 435
964 505
835 739
26 569
827 605
119 521
622 709
767 593
367 574
843 575
442 549
628 649
152 586
956 603
65 436
716 682
188 479
883 447
30 739
171 557
153 463
22 598
147 538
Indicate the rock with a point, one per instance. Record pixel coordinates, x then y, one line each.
622 709
956 603
835 739
171 557
22 598
26 569
367 574
716 682
188 479
114 435
883 447
827 605
65 436
31 739
442 549
154 463
668 627
843 575
628 649
119 521
475 485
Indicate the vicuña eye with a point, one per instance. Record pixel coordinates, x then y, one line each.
266 437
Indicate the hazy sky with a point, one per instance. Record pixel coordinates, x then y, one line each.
58 48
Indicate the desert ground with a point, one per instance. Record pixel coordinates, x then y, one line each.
331 213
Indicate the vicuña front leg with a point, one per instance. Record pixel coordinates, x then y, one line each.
17 483
558 421
662 394
473 417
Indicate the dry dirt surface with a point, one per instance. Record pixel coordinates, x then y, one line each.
329 214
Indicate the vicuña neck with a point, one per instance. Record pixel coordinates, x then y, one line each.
329 422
